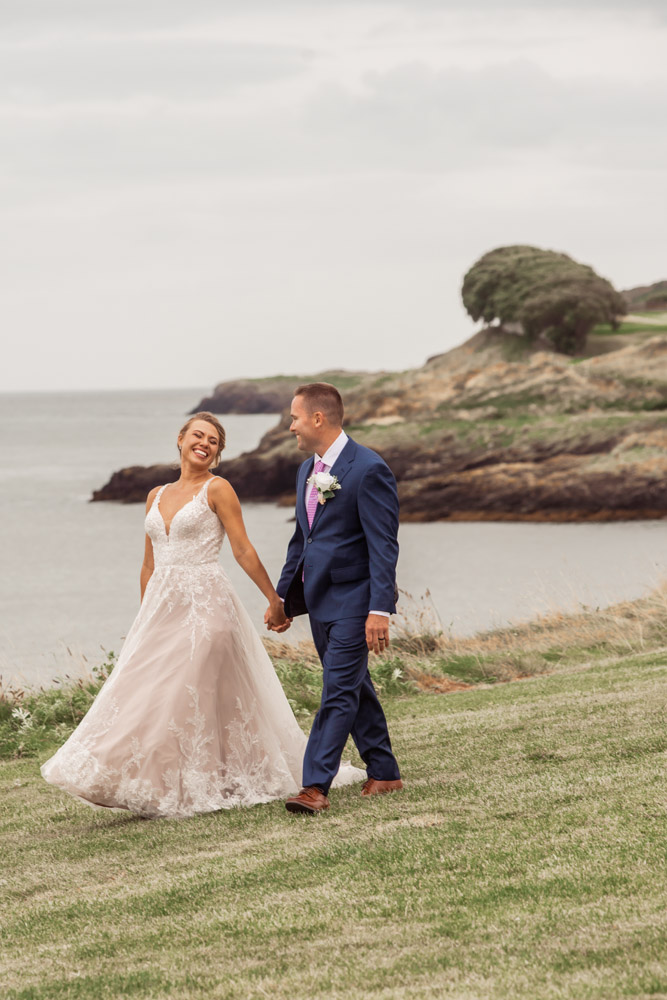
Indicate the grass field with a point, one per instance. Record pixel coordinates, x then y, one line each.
651 328
526 857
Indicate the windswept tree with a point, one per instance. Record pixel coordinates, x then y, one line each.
548 294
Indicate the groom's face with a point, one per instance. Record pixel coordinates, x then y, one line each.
305 425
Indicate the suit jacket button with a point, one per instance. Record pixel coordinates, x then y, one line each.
309 540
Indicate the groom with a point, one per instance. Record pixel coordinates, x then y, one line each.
341 570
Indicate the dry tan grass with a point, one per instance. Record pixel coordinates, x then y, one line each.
303 651
434 660
523 650
631 626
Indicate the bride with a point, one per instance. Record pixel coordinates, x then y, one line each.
193 717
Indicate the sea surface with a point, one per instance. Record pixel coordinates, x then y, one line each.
69 580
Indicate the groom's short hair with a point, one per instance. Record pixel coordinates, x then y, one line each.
323 397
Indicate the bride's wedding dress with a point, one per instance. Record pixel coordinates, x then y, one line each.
193 717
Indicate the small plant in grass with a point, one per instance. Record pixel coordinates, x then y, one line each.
468 668
23 717
31 721
390 676
302 680
417 629
302 683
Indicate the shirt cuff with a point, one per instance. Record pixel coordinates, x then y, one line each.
385 614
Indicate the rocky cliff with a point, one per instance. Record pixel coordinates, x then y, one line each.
269 395
488 431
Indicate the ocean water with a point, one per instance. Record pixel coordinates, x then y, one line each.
69 583
69 580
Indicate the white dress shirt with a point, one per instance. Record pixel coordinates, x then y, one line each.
327 459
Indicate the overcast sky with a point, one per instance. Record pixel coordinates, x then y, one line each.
192 192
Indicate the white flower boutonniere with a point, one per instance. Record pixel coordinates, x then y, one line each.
325 484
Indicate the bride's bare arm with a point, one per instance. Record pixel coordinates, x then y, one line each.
147 565
225 503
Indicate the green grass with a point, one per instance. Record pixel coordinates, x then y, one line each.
343 379
525 859
514 427
628 327
29 721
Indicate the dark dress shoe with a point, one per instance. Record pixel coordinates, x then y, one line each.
374 787
309 800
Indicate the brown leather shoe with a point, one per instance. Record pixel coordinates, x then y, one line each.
374 787
309 800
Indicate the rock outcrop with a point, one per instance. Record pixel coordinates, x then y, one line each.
651 298
267 395
487 431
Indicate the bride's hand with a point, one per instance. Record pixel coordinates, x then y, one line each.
275 618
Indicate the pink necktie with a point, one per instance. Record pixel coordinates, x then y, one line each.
311 505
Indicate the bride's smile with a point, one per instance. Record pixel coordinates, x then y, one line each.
200 444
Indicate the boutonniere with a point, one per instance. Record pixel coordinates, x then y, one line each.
325 484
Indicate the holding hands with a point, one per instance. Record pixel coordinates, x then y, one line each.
275 618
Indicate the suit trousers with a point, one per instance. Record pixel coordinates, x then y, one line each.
349 706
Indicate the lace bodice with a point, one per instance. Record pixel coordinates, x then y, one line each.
195 535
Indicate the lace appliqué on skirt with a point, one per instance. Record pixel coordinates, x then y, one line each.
193 589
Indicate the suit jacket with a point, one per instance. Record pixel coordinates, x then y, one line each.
347 559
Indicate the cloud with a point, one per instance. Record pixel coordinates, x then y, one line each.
507 6
115 68
410 119
415 118
161 13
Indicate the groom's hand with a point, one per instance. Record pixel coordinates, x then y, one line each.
275 618
377 633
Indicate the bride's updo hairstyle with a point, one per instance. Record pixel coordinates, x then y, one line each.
210 419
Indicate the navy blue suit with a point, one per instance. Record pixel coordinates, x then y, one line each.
336 572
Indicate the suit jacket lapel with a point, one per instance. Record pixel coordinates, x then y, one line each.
339 469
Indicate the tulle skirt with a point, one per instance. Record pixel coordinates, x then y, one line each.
193 718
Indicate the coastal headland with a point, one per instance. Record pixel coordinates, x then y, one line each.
492 430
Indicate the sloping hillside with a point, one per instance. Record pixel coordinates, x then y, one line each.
647 298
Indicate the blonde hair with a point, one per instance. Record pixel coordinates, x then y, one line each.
210 419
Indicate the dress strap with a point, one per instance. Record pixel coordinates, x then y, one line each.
203 493
159 494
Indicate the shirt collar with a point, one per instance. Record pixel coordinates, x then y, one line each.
333 451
